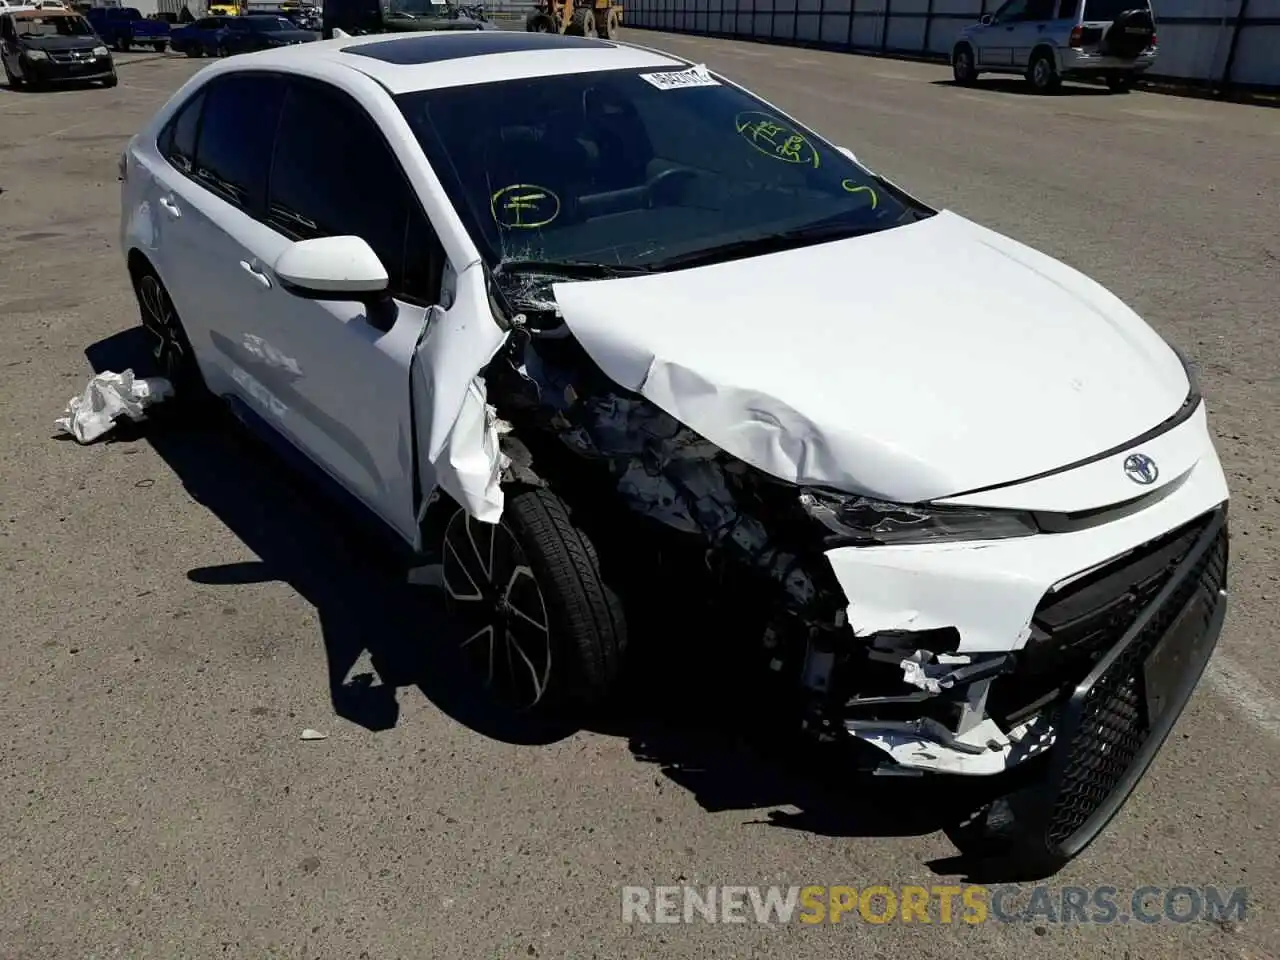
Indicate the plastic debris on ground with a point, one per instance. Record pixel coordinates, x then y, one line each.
108 396
310 734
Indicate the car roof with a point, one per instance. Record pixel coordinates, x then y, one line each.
433 60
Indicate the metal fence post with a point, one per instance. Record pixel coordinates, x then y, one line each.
1225 83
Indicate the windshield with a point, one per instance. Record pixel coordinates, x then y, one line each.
61 26
131 13
269 24
633 168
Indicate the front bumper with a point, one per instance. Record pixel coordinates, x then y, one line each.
68 71
1029 619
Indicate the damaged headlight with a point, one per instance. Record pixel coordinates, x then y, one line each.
863 521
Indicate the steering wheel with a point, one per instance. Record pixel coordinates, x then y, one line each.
663 186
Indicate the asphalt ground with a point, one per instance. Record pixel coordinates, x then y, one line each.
176 609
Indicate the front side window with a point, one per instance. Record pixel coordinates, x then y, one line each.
269 24
333 174
233 150
631 168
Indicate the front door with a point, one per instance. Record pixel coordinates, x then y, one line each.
343 376
997 38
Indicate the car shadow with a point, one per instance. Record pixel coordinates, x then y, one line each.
682 711
1020 87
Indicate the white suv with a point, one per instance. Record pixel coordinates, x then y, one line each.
1047 40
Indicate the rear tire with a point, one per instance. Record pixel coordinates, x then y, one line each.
540 23
1042 73
111 81
963 67
583 23
543 630
160 47
175 359
609 30
1120 83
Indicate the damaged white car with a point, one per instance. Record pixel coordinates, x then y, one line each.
514 294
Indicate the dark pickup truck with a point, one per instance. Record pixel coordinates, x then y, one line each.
125 27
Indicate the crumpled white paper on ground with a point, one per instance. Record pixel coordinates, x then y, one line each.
106 397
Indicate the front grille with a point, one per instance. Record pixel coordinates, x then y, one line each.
1113 722
1073 628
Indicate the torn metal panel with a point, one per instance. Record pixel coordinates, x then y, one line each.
982 750
663 469
457 432
832 366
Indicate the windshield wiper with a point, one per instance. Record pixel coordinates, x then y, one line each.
768 243
571 269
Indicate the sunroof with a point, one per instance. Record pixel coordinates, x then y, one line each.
430 47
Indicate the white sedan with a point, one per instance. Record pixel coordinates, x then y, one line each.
530 301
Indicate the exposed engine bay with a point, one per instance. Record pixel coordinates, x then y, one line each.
567 425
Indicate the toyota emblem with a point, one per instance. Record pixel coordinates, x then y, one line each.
1140 468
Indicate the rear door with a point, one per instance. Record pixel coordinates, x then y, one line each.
1031 29
209 207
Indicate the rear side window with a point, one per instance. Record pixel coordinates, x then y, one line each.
238 125
1067 9
1040 9
178 142
1098 10
333 174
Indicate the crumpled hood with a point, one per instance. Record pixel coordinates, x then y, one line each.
916 363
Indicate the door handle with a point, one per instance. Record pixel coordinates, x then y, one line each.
1008 28
256 273
170 207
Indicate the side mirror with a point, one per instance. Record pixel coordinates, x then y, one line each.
848 153
987 19
338 268
332 268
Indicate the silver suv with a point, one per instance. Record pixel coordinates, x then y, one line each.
1047 40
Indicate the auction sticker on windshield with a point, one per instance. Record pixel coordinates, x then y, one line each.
698 76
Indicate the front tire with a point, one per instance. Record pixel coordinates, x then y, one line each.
540 23
14 82
1005 837
609 29
1042 73
539 625
963 68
